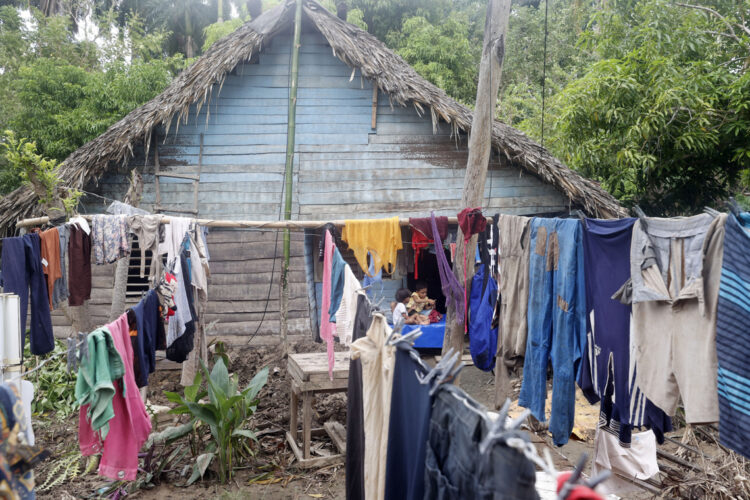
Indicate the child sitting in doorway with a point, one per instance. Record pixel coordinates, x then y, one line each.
419 301
399 310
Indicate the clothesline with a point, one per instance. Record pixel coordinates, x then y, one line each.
248 224
40 365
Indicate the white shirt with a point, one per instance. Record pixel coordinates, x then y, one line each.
398 312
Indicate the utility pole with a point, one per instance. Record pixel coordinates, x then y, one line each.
480 146
289 172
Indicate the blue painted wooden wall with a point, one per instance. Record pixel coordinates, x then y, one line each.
343 169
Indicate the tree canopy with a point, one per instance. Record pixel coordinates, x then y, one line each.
649 97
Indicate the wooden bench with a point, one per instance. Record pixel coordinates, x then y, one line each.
309 374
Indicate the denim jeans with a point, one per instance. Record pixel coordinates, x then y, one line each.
557 321
21 273
454 468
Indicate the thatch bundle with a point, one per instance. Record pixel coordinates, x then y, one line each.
353 46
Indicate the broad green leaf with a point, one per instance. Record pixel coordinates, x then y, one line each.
206 413
199 469
256 384
246 433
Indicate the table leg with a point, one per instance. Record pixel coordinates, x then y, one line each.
293 405
306 423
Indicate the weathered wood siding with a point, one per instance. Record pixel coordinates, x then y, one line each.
343 169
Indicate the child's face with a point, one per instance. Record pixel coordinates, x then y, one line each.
406 300
422 292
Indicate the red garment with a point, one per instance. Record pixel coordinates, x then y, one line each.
579 492
421 235
129 428
471 221
435 316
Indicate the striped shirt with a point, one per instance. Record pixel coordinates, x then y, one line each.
733 337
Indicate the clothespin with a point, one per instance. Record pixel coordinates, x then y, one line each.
448 371
394 339
500 428
448 360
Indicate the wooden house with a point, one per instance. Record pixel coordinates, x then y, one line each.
373 139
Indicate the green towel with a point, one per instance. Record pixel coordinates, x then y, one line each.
96 376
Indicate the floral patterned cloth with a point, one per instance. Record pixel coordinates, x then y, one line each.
17 457
109 238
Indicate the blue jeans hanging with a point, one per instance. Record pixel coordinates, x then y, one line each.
557 322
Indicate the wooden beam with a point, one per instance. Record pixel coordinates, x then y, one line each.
374 124
480 147
298 225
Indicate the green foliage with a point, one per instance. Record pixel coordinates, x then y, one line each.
662 119
65 468
216 31
54 385
520 103
442 53
226 413
29 166
60 92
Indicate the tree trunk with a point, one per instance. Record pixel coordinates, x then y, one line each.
490 67
119 296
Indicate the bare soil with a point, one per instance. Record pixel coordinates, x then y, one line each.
272 473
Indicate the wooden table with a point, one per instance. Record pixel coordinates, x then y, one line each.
309 374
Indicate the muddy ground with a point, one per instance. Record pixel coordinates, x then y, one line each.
272 474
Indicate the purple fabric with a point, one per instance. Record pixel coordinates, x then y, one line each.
452 288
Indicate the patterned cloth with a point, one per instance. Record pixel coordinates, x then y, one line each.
109 238
17 457
732 346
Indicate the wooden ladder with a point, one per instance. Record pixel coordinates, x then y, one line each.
158 207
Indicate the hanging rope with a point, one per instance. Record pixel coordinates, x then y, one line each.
544 68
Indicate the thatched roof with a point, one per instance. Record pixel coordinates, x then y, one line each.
353 46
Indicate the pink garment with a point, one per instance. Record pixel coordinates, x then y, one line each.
327 329
130 427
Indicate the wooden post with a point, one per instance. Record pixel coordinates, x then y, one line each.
119 291
480 145
289 172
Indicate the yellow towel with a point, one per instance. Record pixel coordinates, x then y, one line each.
380 237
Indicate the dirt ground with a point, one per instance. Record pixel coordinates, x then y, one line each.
273 473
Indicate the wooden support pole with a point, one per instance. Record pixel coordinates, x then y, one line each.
289 172
490 67
374 118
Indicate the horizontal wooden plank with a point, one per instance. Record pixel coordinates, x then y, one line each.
251 250
324 86
270 315
214 306
424 207
254 278
267 139
253 292
251 129
313 179
414 190
298 326
296 264
277 118
221 235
